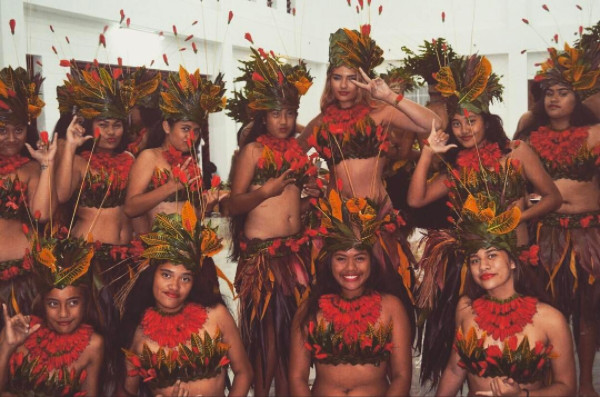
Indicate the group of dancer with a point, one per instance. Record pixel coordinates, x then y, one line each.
107 280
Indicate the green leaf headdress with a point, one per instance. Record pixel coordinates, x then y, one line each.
468 83
431 57
574 67
191 97
20 102
355 50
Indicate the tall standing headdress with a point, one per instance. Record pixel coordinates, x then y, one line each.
269 84
432 56
399 79
20 102
468 83
575 67
191 97
355 50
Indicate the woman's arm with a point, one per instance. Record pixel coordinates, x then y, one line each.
243 373
541 181
403 113
42 197
420 191
243 201
400 358
138 201
300 358
91 385
71 167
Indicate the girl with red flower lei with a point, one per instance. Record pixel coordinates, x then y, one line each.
167 304
358 300
25 191
507 322
61 342
565 134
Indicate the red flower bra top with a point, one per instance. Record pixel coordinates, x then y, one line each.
105 183
504 318
565 154
347 333
13 193
348 134
161 176
516 361
280 155
183 354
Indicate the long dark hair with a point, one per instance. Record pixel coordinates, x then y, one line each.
378 280
259 127
88 124
493 132
581 116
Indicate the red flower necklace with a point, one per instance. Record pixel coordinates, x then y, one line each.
504 318
8 165
57 350
559 148
107 164
169 330
341 120
352 317
488 154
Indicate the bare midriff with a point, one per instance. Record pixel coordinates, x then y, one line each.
361 177
277 216
578 196
350 380
110 225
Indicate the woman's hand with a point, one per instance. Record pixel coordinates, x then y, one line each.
502 386
275 186
311 189
179 391
16 329
376 87
44 154
210 197
76 133
437 140
186 179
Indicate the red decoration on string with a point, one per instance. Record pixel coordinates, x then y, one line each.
12 24
54 50
175 30
3 105
67 39
96 64
117 73
96 133
165 59
102 40
577 6
466 113
194 47
122 13
530 255
119 61
580 30
257 77
293 11
545 7
39 63
357 8
380 10
248 37
555 38
365 29
443 16
527 22
65 63
161 33
348 2
52 28
106 27
189 37
44 137
37 215
195 22
230 15
360 3
523 51
215 181
128 21
152 62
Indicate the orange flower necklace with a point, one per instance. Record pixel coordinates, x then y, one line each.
169 330
57 350
504 318
351 317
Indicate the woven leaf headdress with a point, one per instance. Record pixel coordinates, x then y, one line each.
468 83
191 97
432 56
355 50
19 96
575 67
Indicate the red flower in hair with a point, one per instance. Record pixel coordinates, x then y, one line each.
12 23
248 37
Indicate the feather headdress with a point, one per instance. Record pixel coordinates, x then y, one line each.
60 261
355 50
468 83
20 102
269 84
191 97
575 67
432 56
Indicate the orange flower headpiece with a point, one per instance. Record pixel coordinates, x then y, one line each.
60 261
468 83
355 50
191 97
269 84
181 239
20 102
575 67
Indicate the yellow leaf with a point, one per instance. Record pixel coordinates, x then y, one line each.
471 205
47 258
446 82
336 204
13 300
478 83
189 218
505 222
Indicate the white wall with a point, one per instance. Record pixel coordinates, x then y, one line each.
493 28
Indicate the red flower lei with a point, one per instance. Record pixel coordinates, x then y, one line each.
352 317
169 330
489 154
107 164
8 165
57 350
504 318
341 120
176 159
559 148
